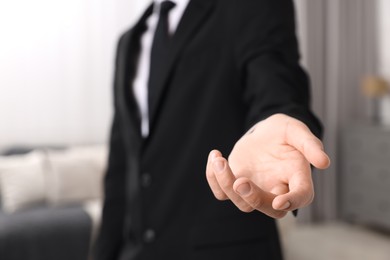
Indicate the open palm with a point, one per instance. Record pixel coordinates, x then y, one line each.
269 167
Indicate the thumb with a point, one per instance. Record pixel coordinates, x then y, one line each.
301 193
314 152
300 136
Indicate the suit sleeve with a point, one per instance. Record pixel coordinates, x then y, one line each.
267 53
111 231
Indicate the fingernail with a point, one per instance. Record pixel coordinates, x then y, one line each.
286 205
218 166
244 189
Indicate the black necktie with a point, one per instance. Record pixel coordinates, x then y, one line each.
159 52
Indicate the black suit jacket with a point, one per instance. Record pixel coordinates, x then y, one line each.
232 63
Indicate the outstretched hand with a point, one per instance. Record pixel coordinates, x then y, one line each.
269 167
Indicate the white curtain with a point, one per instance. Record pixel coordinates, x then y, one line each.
384 38
341 48
56 63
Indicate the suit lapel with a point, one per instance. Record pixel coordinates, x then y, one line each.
127 61
193 18
128 54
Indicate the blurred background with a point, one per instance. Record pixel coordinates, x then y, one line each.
56 65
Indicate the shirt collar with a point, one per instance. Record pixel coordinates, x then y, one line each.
179 3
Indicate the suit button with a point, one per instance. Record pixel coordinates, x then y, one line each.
146 180
149 236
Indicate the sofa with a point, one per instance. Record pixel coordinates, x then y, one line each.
50 201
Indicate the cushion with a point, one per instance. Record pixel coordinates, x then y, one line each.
75 174
94 210
22 181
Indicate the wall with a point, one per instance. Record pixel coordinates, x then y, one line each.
56 62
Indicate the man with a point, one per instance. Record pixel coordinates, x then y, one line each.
192 76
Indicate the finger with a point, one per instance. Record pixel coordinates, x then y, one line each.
226 179
300 136
280 189
211 179
257 198
300 195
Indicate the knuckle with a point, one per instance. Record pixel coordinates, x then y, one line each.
279 214
225 183
246 208
256 202
243 206
220 195
310 197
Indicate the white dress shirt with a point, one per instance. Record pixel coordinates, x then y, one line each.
140 84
